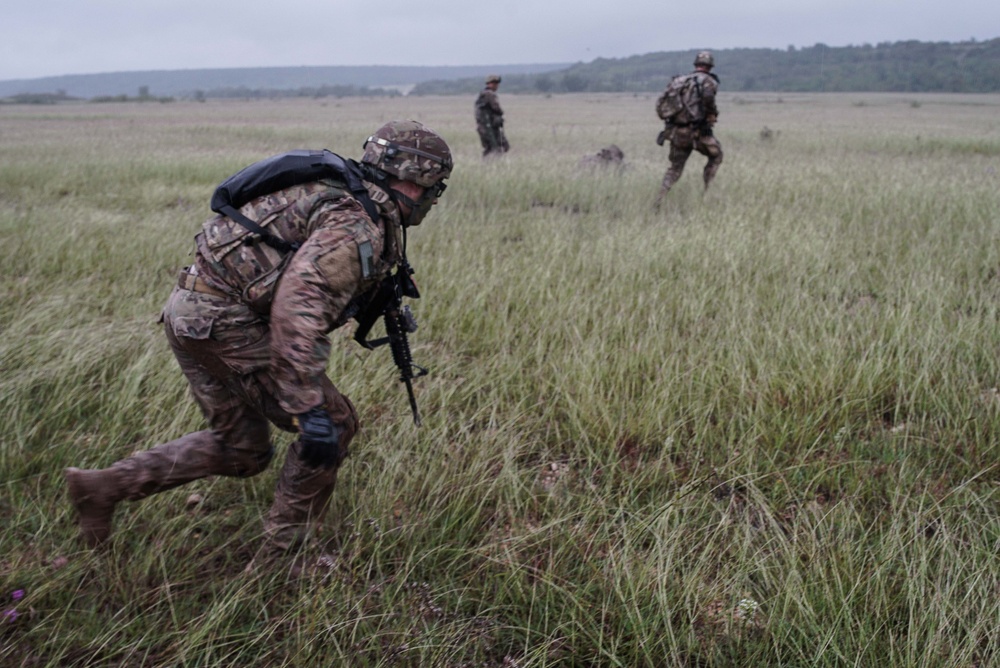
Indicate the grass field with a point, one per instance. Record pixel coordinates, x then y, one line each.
759 428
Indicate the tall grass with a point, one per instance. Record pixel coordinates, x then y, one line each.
759 428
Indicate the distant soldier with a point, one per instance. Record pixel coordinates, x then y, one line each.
249 321
688 110
609 157
489 118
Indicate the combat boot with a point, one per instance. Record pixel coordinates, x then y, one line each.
94 493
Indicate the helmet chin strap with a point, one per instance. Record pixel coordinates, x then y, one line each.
379 178
418 208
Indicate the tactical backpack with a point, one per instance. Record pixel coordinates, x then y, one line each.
680 103
284 171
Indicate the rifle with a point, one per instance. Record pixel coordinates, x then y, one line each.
504 146
387 302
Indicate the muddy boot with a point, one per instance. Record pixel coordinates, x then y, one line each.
94 494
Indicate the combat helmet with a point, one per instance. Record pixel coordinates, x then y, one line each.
705 59
492 78
410 151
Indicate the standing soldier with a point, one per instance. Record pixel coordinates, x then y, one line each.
249 324
689 112
489 118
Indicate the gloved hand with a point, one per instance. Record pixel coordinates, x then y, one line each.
662 137
319 438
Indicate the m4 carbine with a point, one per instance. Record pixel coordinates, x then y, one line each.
387 303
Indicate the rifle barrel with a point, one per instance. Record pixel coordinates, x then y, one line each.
413 401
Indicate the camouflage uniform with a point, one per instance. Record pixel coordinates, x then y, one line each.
489 119
694 134
249 325
608 157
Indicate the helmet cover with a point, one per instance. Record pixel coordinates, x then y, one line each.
704 58
410 151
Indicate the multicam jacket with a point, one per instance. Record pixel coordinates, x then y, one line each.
488 111
306 294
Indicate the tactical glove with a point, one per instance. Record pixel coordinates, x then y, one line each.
662 137
319 438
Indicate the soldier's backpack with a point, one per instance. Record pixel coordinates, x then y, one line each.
284 171
681 101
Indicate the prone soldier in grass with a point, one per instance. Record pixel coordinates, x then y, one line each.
248 323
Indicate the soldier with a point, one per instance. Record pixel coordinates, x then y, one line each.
249 327
609 157
489 119
691 127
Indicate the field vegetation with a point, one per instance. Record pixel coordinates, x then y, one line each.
759 427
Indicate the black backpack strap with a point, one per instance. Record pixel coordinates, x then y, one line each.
701 103
353 175
265 236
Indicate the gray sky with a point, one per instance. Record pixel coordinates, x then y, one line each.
53 37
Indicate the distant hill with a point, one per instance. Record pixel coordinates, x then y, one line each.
911 66
216 82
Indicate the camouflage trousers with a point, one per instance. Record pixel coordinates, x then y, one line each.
223 349
492 138
684 140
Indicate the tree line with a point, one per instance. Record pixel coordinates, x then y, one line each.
908 66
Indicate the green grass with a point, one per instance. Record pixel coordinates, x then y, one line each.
784 391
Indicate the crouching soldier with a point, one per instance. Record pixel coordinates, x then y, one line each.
249 321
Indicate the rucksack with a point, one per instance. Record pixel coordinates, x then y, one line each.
681 101
284 171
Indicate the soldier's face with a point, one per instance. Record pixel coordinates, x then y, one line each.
425 202
416 201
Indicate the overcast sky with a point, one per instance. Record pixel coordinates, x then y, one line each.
52 37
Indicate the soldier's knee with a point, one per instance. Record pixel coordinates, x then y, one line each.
247 449
343 414
713 149
345 420
348 426
246 464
